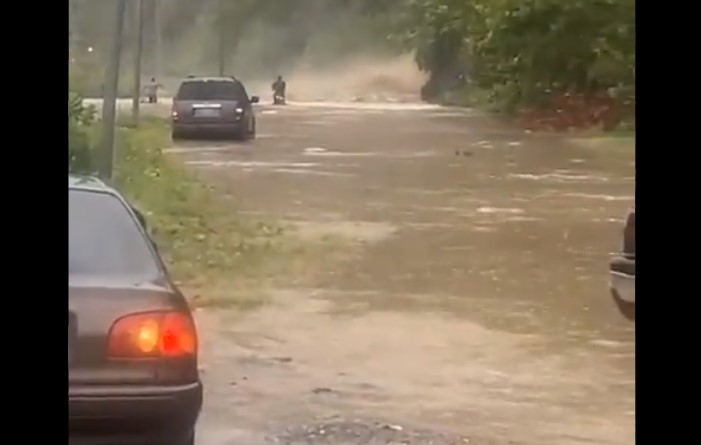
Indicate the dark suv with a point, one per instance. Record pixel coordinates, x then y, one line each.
213 106
622 271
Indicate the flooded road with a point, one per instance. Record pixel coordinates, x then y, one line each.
470 305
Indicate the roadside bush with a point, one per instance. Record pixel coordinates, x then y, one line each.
200 236
80 120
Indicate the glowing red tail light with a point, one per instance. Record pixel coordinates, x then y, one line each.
153 334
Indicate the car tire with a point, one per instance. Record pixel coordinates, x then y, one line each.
176 135
252 133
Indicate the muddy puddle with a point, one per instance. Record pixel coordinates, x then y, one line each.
470 304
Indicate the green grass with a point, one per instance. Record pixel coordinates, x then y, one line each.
218 257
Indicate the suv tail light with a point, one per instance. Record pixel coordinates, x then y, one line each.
174 111
153 335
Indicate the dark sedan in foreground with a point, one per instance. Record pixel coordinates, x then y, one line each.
622 271
132 342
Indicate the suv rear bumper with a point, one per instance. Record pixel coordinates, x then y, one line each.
133 415
208 127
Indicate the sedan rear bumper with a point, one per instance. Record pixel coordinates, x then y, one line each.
622 278
622 283
133 415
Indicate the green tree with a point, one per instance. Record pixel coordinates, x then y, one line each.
80 119
524 51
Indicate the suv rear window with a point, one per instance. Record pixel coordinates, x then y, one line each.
104 239
210 90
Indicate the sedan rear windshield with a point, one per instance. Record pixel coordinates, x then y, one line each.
210 90
104 239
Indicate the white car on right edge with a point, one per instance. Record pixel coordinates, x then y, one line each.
622 271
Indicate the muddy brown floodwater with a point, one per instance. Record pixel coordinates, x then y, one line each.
471 308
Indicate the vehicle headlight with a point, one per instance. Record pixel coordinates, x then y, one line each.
239 110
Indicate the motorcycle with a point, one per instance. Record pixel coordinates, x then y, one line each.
279 99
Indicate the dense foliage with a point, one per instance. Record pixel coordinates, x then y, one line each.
513 54
80 118
525 52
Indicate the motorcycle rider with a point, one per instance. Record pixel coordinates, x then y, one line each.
279 87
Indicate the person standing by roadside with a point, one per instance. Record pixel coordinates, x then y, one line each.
151 90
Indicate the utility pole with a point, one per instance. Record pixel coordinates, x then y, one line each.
136 95
157 37
222 39
72 35
109 103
